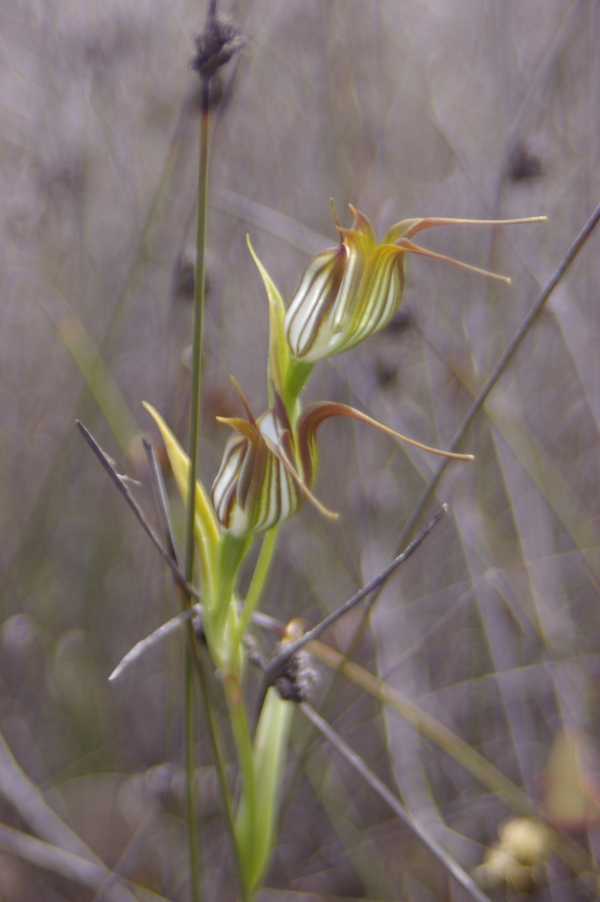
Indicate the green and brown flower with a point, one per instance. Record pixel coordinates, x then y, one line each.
269 468
352 291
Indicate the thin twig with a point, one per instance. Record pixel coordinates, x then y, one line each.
360 766
164 630
277 665
120 481
162 499
271 624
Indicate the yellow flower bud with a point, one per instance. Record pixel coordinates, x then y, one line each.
528 840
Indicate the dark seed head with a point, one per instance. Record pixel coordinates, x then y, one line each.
215 46
524 165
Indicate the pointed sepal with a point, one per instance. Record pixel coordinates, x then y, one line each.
206 527
279 352
318 413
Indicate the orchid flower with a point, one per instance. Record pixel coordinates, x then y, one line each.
352 291
269 468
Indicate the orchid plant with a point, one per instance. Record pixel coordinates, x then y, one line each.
269 468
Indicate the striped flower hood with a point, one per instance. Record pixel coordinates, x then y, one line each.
352 291
261 479
268 468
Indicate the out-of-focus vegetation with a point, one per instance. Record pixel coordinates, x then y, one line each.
452 108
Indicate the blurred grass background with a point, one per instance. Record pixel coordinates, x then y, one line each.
458 108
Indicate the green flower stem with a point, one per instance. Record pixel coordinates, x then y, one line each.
243 740
217 746
232 553
198 342
197 360
296 381
191 788
259 578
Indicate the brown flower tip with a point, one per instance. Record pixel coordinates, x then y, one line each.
216 45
